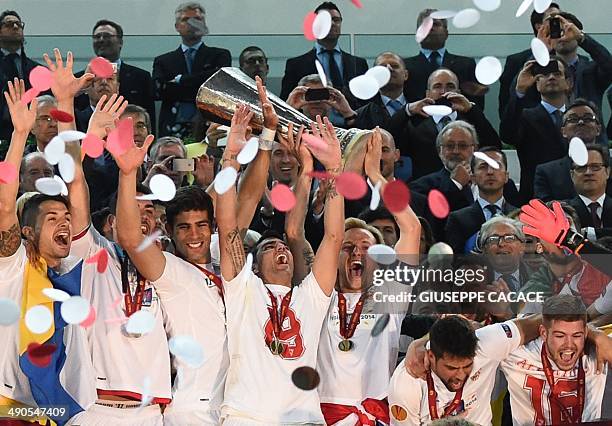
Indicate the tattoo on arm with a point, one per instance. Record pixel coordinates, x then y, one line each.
331 189
10 240
235 250
308 255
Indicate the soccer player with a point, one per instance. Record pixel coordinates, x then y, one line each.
356 366
553 379
274 328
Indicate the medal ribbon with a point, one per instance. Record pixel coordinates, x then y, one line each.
132 303
554 395
214 278
431 399
347 330
276 319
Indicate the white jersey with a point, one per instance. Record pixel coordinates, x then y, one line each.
529 390
408 402
124 365
76 377
194 308
349 377
603 304
259 385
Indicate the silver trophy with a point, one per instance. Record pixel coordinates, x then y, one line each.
229 87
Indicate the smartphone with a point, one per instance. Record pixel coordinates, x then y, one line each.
552 67
444 101
555 28
316 95
182 165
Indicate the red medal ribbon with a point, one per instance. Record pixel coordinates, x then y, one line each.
431 398
554 394
134 303
275 318
347 330
214 278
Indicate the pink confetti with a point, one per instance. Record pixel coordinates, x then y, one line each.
101 67
121 138
396 196
424 29
92 146
41 78
8 172
61 116
438 204
351 185
87 322
308 21
314 142
29 95
316 174
357 3
100 259
282 198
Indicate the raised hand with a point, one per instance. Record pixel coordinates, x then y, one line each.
459 102
65 85
106 114
338 101
238 132
23 118
297 97
373 156
270 118
416 108
204 170
540 221
131 160
330 155
526 78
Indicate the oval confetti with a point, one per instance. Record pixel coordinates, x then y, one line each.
54 150
55 294
92 146
66 168
466 18
488 70
187 350
91 318
71 135
440 110
307 26
487 5
363 87
8 172
29 95
382 254
248 151
379 73
578 152
140 322
423 31
321 24
321 72
61 116
380 324
396 196
443 14
351 185
225 179
540 6
305 378
282 198
40 355
438 204
48 186
540 51
148 240
523 7
9 312
357 3
75 310
484 157
101 67
38 319
41 78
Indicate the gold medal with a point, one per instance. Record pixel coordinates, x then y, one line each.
345 345
276 347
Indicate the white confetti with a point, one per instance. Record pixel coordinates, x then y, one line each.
248 151
379 73
488 70
148 240
224 180
364 87
9 312
38 319
466 18
56 295
578 152
71 135
75 310
382 254
54 150
66 168
140 322
322 24
187 350
540 51
484 157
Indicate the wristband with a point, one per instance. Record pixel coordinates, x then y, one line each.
573 240
267 134
266 145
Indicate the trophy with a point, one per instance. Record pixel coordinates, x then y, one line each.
219 96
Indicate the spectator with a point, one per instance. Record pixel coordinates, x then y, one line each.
253 61
463 224
45 126
136 84
33 167
383 220
179 74
141 122
416 131
340 67
391 98
610 121
535 132
514 63
13 63
433 55
98 87
161 155
552 179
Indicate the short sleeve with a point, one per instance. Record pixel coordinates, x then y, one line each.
85 244
178 277
13 266
310 286
497 341
603 304
405 395
236 288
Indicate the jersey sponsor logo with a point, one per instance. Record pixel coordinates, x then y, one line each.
399 413
507 330
476 375
290 335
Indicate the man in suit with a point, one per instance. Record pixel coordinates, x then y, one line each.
45 126
609 95
391 99
177 75
33 167
593 205
254 62
433 55
464 223
416 132
536 131
136 84
552 179
340 67
13 63
514 63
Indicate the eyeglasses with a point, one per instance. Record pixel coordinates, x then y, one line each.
496 239
46 118
141 126
595 167
102 36
9 24
586 119
454 146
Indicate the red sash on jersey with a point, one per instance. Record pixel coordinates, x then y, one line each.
214 278
333 413
347 330
134 396
431 399
591 284
554 395
275 318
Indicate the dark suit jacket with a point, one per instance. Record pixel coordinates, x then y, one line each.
585 215
166 67
535 136
514 64
419 69
372 114
303 65
553 181
135 85
82 118
27 65
609 95
415 136
465 222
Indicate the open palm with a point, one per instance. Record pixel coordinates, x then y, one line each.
65 85
23 118
129 161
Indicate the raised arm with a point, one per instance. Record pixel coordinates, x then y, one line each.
325 264
23 119
230 240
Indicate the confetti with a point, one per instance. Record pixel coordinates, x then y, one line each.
351 185
578 152
100 259
248 151
305 378
61 116
488 70
38 319
396 196
40 355
540 51
75 310
424 29
282 198
363 87
9 312
41 78
101 67
321 24
438 204
381 74
148 240
382 254
466 18
8 172
380 324
187 350
92 146
224 180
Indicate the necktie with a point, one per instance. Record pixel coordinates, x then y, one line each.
556 117
443 122
596 220
511 281
395 105
11 66
493 209
189 55
334 71
434 58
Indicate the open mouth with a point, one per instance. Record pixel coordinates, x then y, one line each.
282 259
195 245
286 169
567 356
355 269
144 228
62 238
